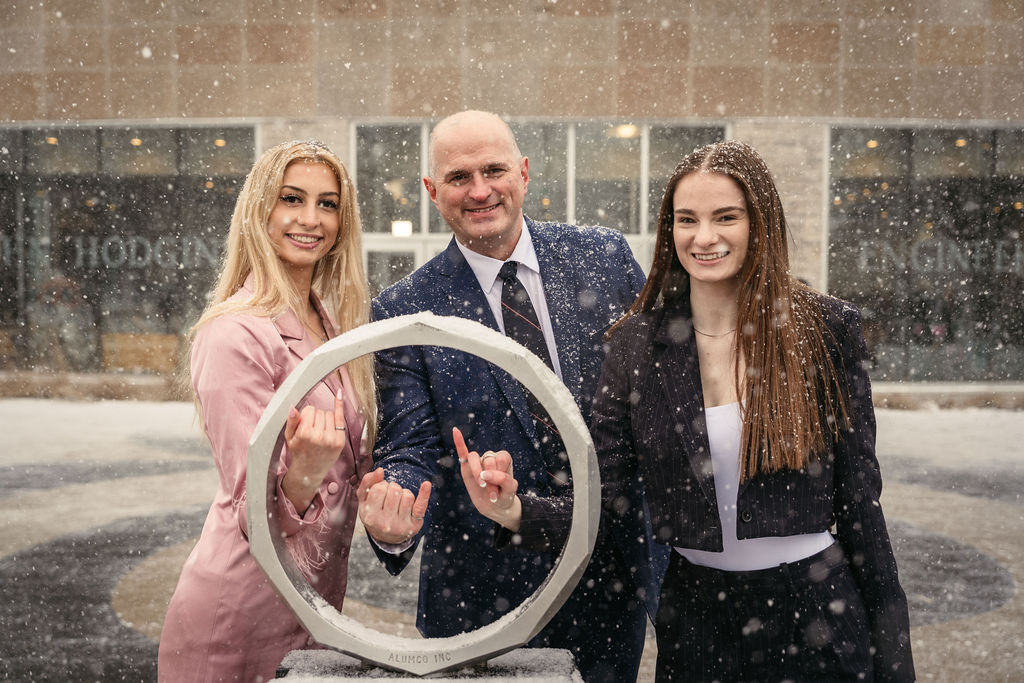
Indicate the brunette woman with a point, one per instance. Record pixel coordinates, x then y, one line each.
741 397
292 278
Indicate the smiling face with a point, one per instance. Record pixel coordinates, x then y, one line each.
303 225
478 182
711 228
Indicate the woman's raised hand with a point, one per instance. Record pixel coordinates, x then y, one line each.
315 440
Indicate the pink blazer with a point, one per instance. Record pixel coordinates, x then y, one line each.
225 621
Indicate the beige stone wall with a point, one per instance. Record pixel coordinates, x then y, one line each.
144 59
797 154
330 130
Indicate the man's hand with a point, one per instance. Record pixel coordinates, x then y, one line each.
390 513
489 481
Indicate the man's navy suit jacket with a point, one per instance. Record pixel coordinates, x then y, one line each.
590 277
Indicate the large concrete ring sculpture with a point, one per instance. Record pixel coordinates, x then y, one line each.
422 656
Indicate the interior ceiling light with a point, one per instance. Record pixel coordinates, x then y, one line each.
401 228
626 131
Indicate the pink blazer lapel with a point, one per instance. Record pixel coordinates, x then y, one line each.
301 343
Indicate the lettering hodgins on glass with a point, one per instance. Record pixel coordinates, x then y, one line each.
140 251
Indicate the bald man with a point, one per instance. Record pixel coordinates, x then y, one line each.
579 280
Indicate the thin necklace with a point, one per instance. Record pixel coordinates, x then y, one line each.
714 335
323 339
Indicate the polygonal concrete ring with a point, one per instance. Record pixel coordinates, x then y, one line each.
422 656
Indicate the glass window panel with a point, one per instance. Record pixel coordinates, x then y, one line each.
211 152
388 177
935 262
668 146
545 145
11 244
67 288
58 151
11 151
608 175
385 268
951 153
11 254
191 246
1010 153
869 152
109 269
436 224
139 151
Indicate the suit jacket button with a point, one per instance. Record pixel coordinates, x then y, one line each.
746 516
332 488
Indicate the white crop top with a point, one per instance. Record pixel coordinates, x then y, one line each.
724 426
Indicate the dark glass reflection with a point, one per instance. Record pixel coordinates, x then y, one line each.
933 254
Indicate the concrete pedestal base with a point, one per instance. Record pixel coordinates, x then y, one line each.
525 665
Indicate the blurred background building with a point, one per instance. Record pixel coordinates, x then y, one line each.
895 130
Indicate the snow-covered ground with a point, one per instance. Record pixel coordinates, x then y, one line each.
953 438
101 501
36 431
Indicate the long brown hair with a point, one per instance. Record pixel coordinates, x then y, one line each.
790 374
338 278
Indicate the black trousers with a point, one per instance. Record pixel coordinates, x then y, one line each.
802 621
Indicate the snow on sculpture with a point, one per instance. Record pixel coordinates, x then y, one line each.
422 656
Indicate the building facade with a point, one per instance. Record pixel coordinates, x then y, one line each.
896 134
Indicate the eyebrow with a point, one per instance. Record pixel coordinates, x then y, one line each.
491 164
724 209
299 189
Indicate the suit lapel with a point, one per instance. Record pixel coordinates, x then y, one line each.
460 290
293 334
677 370
561 293
466 300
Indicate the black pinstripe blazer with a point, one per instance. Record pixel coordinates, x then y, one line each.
648 419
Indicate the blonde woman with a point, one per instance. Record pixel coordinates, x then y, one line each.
292 278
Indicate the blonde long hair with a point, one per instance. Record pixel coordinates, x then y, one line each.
338 278
783 333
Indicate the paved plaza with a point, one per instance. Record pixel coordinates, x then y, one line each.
102 501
